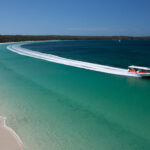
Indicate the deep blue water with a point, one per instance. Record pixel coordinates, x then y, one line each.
105 52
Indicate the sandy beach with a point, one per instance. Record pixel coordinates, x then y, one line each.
7 43
8 138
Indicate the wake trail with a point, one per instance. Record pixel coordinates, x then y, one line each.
75 63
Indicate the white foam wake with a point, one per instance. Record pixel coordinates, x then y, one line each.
80 64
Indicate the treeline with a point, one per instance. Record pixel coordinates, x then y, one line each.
17 38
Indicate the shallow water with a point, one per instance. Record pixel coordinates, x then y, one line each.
58 107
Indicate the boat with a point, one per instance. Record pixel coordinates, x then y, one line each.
139 71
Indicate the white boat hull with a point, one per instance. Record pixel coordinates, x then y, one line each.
144 74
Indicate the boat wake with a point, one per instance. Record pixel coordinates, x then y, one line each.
75 63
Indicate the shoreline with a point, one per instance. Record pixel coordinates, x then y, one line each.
9 140
6 43
26 42
14 42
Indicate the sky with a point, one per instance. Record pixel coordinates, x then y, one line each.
75 17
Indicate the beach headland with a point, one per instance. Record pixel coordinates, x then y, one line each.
9 140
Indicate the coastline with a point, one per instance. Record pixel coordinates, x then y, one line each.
14 42
9 140
7 43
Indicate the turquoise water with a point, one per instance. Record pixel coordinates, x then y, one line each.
58 107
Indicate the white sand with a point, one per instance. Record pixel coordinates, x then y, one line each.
8 138
7 43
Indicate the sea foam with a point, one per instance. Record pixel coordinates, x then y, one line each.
75 63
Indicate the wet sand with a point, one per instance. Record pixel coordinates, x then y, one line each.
8 138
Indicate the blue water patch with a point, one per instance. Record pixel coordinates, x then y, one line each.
106 52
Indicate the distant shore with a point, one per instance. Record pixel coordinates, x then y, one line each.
19 38
9 140
7 43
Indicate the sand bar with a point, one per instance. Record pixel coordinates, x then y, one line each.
8 138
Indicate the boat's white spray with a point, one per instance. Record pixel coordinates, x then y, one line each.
80 64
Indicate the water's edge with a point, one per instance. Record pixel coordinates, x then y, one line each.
12 131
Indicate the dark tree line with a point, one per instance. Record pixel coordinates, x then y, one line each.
17 38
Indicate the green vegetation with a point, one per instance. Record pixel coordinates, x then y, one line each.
17 38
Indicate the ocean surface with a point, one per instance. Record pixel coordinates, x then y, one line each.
112 53
57 107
